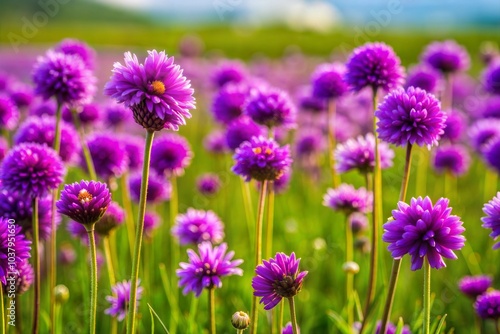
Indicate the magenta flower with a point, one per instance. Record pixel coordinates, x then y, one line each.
491 78
228 72
112 218
454 126
108 154
151 222
228 102
23 279
446 56
271 107
451 158
391 328
487 305
215 142
491 153
347 199
196 226
424 77
288 329
170 155
159 188
9 114
474 286
482 131
328 81
208 184
89 114
71 46
120 299
492 218
241 130
11 243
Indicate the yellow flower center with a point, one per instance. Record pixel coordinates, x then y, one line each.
84 196
158 87
257 150
268 151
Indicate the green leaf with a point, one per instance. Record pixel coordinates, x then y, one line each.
437 325
339 322
158 318
399 329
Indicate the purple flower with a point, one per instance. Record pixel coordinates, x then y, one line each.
271 107
158 93
454 126
215 142
328 81
208 184
159 188
288 329
358 222
492 219
446 56
491 78
117 114
228 102
410 117
347 199
21 94
206 269
196 226
491 107
170 155
309 103
9 114
4 148
374 65
151 223
85 202
42 108
241 130
391 328
451 158
88 114
277 278
9 244
359 153
32 170
78 231
228 72
261 159
474 286
280 185
482 131
66 77
134 146
422 229
491 153
309 142
23 279
487 305
75 47
41 130
112 218
120 299
424 77
108 154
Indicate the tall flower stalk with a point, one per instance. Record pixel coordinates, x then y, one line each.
36 266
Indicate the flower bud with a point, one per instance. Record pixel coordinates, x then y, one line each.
61 293
350 267
240 320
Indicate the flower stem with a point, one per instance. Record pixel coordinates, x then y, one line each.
127 205
258 250
427 297
93 278
497 326
36 265
211 309
421 173
174 250
490 184
331 141
406 174
350 276
247 203
138 235
293 315
85 149
270 219
2 311
109 261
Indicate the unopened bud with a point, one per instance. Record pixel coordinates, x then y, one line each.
240 320
61 293
350 267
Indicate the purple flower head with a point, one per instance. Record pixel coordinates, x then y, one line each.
328 81
32 170
374 65
454 126
309 142
391 328
271 107
359 153
41 108
170 155
75 47
159 188
117 114
288 329
21 94
446 56
358 222
41 130
410 117
241 130
491 78
491 154
277 278
347 199
196 226
108 154
482 131
158 93
112 218
424 77
215 142
191 46
9 114
451 158
23 279
281 185
88 114
20 246
151 223
134 146
423 229
78 231
4 148
67 254
120 299
474 286
66 77
228 72
309 103
491 107
208 184
228 102
492 219
261 159
5 80
206 269
85 202
487 305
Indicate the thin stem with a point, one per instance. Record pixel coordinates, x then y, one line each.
447 100
332 141
350 276
406 174
427 297
490 184
293 315
93 278
270 219
174 250
258 250
247 204
282 311
138 235
2 311
211 309
127 205
85 148
36 265
421 173
109 261
497 326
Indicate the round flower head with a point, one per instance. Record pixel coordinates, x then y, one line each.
196 226
228 72
108 154
491 154
64 76
120 299
261 159
240 320
23 278
117 114
67 254
270 107
482 131
9 114
78 231
309 103
159 188
281 185
454 126
309 142
277 278
215 142
41 108
288 329
358 222
424 77
446 56
206 269
328 81
347 199
451 158
75 47
491 78
241 130
21 94
491 107
410 117
11 243
228 102
423 229
88 114
474 286
391 328
170 155
112 218
151 223
492 219
134 146
5 80
158 93
359 153
41 130
208 184
374 65
487 305
32 170
85 202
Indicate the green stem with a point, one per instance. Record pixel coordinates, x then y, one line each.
85 148
138 235
421 173
373 269
192 313
93 278
270 219
174 251
127 205
406 174
109 261
427 297
36 265
211 309
247 203
258 250
282 311
293 315
497 326
2 311
350 276
490 184
332 141
447 100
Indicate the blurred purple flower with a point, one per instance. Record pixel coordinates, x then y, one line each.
492 218
228 102
117 114
347 199
241 130
75 47
170 155
208 184
451 158
482 131
228 71
491 107
108 154
454 126
159 188
446 56
112 218
21 94
391 328
288 329
89 114
491 77
474 286
328 81
40 108
151 222
487 305
120 299
491 153
196 226
9 114
23 279
271 107
424 77
215 142
17 244
134 146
